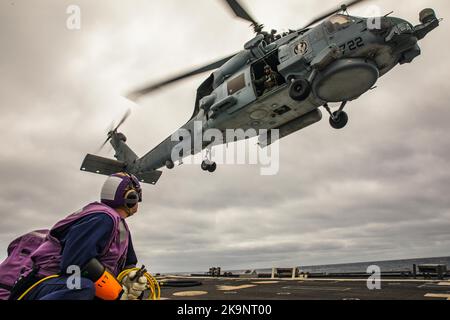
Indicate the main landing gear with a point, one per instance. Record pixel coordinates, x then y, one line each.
338 119
208 164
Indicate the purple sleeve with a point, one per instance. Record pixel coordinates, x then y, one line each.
85 240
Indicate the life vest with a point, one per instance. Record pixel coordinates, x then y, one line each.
40 251
47 258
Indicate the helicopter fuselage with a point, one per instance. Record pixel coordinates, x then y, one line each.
275 86
342 58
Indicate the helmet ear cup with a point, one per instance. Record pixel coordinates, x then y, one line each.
121 190
131 198
137 187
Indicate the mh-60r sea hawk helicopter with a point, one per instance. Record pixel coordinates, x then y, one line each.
280 82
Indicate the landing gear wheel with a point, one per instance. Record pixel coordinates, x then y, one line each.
209 166
170 165
204 166
212 167
300 90
339 120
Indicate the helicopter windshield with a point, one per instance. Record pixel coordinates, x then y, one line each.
338 22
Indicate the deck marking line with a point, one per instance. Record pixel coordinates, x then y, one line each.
446 283
283 293
190 293
232 288
317 288
429 285
438 295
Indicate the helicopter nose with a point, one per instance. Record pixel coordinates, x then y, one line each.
401 33
402 39
400 26
389 26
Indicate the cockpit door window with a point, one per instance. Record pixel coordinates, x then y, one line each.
337 22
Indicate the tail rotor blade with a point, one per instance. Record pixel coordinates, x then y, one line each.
113 130
103 145
122 121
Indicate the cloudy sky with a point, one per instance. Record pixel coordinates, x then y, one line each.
376 190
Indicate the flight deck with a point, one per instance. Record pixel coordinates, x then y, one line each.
305 289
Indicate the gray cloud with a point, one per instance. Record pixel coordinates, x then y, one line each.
376 190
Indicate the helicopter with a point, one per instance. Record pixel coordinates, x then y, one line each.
279 81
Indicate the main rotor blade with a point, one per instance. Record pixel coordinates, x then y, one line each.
135 95
240 12
330 13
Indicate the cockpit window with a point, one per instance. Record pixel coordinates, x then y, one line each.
338 22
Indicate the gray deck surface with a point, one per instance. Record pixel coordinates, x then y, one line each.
310 289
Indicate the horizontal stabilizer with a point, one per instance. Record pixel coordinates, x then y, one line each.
107 167
104 166
150 177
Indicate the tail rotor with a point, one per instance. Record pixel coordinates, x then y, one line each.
113 130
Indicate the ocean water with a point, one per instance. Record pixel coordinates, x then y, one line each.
385 266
